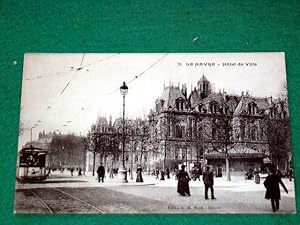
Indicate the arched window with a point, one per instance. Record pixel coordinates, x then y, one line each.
253 134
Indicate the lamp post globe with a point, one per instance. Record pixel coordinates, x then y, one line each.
123 171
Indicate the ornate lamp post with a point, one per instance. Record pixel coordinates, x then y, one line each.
123 171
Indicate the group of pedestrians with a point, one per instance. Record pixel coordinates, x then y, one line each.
183 182
101 173
271 184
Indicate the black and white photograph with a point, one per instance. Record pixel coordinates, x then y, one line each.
154 133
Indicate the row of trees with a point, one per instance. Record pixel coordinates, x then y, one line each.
67 150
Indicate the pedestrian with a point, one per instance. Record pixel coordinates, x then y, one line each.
256 176
183 182
168 173
157 174
139 170
162 174
72 170
101 173
80 172
273 191
208 179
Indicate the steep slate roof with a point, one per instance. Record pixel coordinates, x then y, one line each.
262 104
214 97
169 95
45 140
203 78
195 98
101 121
232 104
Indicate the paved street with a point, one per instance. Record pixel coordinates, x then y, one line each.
66 194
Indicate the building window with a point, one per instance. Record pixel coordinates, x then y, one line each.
214 134
199 108
177 104
252 108
179 131
253 134
213 107
284 115
176 153
183 153
243 131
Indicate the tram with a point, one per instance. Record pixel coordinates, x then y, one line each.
32 165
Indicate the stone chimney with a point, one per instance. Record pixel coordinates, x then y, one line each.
184 90
270 100
110 121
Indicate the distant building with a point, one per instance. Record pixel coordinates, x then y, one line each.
102 128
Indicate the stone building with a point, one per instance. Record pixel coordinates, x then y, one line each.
207 127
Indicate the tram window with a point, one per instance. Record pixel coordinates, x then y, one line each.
32 159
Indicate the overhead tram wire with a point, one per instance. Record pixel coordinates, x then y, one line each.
82 108
135 77
72 68
142 73
79 68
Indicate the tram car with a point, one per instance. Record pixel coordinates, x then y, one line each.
32 165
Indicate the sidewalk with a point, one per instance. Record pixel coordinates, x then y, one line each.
237 183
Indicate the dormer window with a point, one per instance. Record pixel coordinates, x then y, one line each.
199 108
252 108
179 104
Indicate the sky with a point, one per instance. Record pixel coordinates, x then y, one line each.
66 92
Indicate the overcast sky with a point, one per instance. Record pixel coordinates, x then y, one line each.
58 95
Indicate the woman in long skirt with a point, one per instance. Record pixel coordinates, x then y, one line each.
183 182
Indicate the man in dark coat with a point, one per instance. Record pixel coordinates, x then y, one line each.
208 179
168 173
183 182
272 185
101 172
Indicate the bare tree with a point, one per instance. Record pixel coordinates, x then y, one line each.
221 138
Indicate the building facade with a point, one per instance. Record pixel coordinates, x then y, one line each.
205 127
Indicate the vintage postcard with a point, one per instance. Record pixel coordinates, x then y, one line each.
155 133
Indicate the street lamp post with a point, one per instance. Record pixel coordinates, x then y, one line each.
123 171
